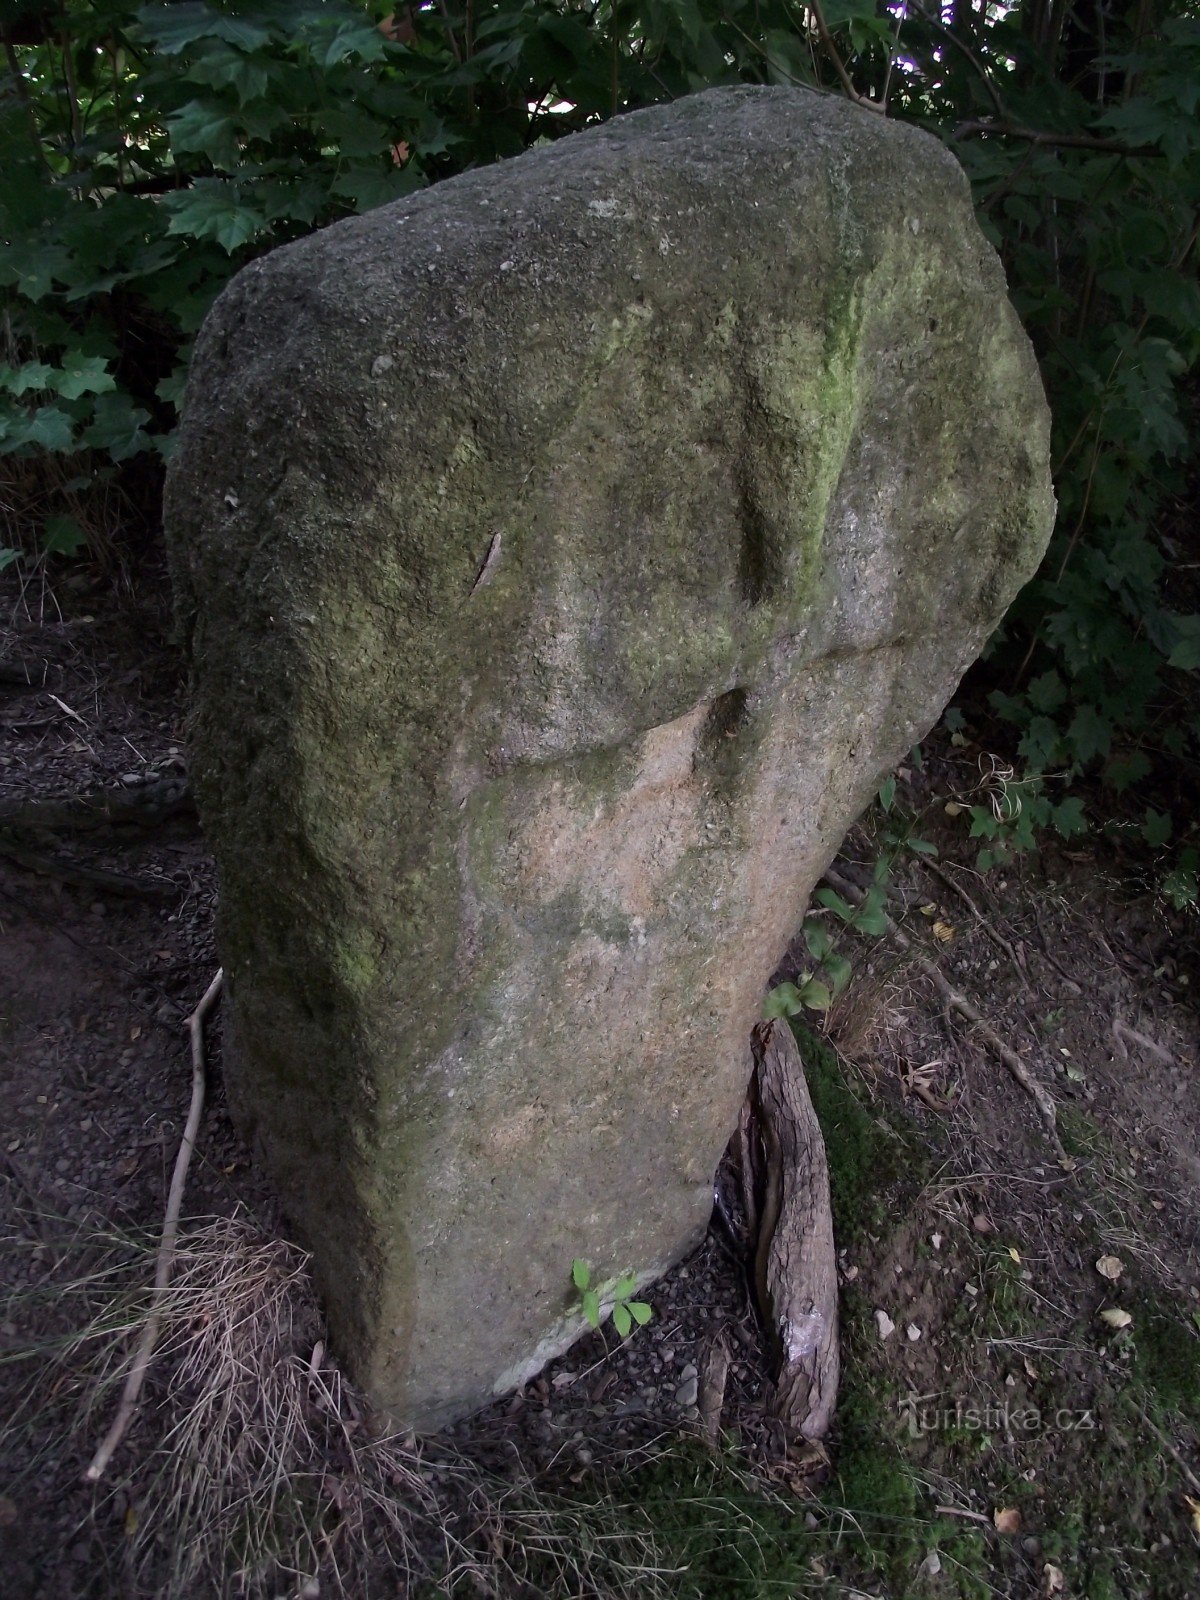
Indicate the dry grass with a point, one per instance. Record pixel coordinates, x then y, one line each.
253 1471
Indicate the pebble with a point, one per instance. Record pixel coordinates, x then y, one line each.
688 1390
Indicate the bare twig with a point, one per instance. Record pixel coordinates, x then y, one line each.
997 939
957 1002
1169 1447
959 1511
1054 141
166 1248
839 66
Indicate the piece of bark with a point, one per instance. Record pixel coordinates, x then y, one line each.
795 1266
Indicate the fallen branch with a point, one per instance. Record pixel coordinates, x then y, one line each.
145 806
957 1002
166 1248
85 877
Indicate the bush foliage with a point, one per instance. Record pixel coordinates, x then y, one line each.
148 152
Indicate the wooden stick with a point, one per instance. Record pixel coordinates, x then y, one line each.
166 1247
956 1002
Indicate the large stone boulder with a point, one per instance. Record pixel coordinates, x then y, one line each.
566 553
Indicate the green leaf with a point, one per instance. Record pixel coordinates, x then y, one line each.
816 995
350 36
591 1307
640 1312
887 793
213 209
117 427
818 940
7 556
923 847
175 26
48 427
625 1286
1068 817
207 127
62 536
1048 693
80 375
834 902
369 187
32 375
783 1001
1157 828
1126 768
622 1321
581 1274
983 823
839 970
1090 734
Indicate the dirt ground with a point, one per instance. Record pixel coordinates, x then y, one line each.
1020 1408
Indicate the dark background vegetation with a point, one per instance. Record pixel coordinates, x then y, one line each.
148 152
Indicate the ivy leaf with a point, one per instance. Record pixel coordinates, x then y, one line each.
641 1312
818 940
581 1274
591 1307
625 1287
622 1321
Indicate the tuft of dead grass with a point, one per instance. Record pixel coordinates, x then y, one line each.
253 1470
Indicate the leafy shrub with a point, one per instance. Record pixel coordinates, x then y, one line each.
148 153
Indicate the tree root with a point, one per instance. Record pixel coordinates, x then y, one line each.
795 1264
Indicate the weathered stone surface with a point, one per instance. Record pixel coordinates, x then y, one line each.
567 551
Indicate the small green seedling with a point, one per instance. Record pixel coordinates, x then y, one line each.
625 1312
791 999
